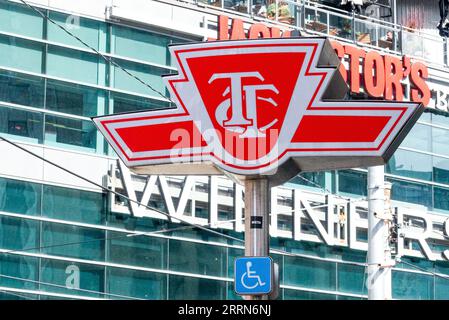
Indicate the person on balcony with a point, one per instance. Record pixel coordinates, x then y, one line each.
353 5
443 26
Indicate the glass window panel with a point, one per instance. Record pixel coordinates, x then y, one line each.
442 267
316 178
441 170
73 65
411 192
418 138
126 221
426 116
352 182
66 277
21 89
407 285
74 205
340 297
142 45
138 284
441 288
188 288
309 273
71 241
19 19
77 133
440 141
9 295
441 198
233 253
75 99
21 54
441 119
20 123
351 278
410 164
86 29
128 103
45 297
137 250
231 295
204 259
20 197
19 234
21 267
290 294
148 74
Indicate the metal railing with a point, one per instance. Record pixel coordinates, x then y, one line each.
316 18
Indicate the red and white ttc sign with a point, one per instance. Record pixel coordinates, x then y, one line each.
252 107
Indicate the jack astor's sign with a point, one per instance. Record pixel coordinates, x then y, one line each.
379 76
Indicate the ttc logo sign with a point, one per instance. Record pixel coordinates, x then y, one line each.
255 107
246 127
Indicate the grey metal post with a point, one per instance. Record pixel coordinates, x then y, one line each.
257 238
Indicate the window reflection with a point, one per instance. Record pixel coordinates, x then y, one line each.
411 192
24 124
19 234
18 267
440 141
441 170
74 99
352 182
441 198
197 258
410 164
137 250
138 284
309 273
290 294
419 138
190 288
72 241
70 276
422 288
70 131
20 197
128 103
350 278
74 205
21 89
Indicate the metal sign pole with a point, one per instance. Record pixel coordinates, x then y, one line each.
257 221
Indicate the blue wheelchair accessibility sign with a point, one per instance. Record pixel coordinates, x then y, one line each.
253 275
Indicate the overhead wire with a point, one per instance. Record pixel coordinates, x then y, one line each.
107 59
117 193
16 294
68 288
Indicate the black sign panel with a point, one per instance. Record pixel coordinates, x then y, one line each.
256 222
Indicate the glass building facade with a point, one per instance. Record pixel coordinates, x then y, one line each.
63 243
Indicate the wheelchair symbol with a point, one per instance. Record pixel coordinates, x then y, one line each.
251 275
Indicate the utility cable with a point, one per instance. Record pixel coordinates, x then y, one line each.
16 294
107 59
67 288
117 193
